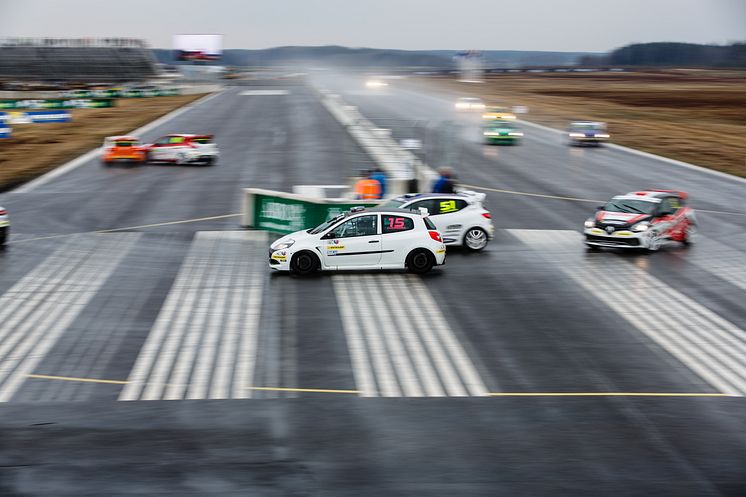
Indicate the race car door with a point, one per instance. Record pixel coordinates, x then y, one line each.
354 243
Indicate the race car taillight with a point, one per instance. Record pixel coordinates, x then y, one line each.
487 215
436 236
3 212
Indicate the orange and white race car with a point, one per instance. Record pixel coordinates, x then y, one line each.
123 149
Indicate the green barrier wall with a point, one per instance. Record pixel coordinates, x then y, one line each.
57 103
287 213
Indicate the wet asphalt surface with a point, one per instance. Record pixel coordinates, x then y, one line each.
532 316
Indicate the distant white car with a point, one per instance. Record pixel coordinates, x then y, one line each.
375 83
467 104
4 226
379 238
183 149
460 217
587 133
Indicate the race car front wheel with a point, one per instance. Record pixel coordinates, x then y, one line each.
304 263
3 236
475 239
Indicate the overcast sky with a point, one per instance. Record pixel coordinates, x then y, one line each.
563 25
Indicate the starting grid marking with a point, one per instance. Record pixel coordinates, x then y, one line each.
204 342
709 345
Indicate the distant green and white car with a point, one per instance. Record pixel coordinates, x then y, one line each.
500 132
4 226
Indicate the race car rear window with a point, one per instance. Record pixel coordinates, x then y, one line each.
128 143
395 224
202 140
429 224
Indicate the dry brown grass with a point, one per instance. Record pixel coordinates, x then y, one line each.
697 116
38 148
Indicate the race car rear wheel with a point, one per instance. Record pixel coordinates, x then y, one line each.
3 236
475 239
304 263
420 261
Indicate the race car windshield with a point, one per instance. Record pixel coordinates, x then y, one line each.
587 126
630 206
323 226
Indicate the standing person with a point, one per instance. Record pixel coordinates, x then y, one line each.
379 176
444 184
367 188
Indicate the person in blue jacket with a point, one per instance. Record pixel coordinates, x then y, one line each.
379 176
444 184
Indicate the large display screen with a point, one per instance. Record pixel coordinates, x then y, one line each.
198 47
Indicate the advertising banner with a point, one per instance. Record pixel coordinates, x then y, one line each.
201 47
57 103
5 131
286 213
30 117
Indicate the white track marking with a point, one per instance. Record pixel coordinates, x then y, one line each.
393 340
393 319
263 93
360 365
709 345
203 343
61 288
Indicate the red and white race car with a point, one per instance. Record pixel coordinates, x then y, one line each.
183 149
645 219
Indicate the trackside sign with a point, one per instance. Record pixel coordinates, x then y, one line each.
288 212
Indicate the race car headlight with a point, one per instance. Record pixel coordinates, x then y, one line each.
641 226
284 245
602 135
577 135
515 133
491 133
589 223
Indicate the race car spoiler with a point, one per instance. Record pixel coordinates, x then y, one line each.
681 194
475 197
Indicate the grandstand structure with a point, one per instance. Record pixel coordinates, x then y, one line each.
88 60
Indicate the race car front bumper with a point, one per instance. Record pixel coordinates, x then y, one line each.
279 260
617 239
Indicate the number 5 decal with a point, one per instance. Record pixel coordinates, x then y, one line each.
447 206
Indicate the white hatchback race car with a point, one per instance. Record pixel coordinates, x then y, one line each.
460 217
377 238
4 226
183 149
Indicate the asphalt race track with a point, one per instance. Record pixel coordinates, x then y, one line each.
160 357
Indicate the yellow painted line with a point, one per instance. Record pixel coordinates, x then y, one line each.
529 194
310 390
603 394
73 378
128 228
355 392
124 382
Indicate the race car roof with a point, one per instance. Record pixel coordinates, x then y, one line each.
652 195
117 138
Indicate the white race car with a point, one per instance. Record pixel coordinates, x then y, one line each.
182 149
469 104
4 226
377 238
460 217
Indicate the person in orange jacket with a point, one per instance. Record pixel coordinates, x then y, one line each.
367 188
